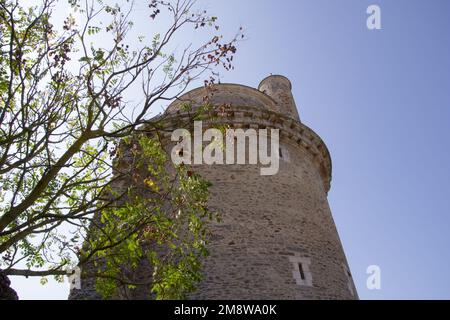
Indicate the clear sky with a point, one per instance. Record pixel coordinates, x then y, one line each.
380 99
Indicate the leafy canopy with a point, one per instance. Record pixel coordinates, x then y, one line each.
64 117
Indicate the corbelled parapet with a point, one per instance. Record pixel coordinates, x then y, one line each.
260 117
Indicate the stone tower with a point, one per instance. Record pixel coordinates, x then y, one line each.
277 238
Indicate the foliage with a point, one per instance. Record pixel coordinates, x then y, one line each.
63 115
165 212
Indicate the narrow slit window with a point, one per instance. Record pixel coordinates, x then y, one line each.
280 153
302 272
181 152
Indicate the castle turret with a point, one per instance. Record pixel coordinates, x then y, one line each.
279 89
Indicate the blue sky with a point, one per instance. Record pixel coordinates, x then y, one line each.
380 99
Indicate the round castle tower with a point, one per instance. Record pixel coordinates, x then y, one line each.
277 238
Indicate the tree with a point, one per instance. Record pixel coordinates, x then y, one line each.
64 117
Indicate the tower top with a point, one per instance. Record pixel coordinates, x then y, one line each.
269 105
275 78
279 89
273 93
